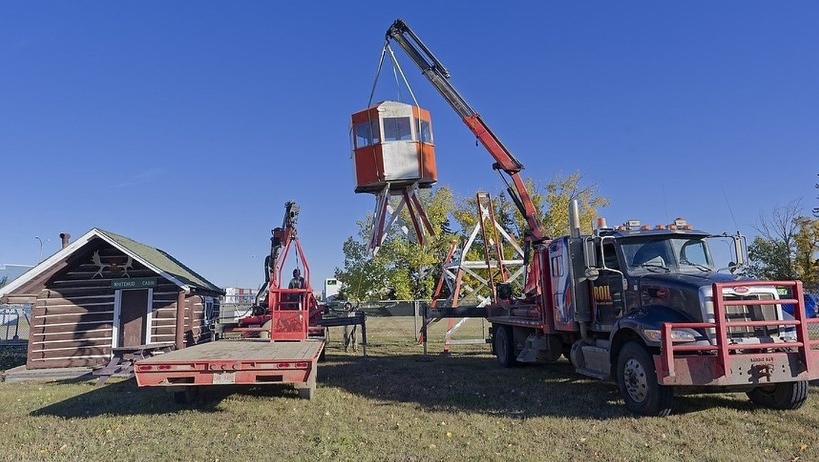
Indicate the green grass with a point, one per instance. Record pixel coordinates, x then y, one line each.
397 405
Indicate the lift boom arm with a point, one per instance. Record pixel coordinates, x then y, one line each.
505 162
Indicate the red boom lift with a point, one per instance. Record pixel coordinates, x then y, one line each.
280 343
643 306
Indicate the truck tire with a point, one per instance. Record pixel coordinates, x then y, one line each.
781 396
505 346
637 380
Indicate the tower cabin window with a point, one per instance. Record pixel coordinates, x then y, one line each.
366 133
397 129
425 131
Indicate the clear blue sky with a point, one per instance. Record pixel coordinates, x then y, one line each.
187 125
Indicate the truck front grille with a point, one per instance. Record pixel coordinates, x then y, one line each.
751 313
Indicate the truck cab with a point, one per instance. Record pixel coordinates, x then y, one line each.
650 309
638 278
669 268
638 305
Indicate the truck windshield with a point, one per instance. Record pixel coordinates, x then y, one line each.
667 254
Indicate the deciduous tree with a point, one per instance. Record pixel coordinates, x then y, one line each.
402 268
816 209
408 270
806 260
773 250
551 200
786 247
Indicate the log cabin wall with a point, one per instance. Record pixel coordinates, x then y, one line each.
163 320
163 314
199 322
72 326
73 318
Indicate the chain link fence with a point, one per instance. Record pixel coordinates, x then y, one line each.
14 324
404 318
14 332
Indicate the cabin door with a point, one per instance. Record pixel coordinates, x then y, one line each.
133 316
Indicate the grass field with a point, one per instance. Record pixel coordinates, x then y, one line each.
398 405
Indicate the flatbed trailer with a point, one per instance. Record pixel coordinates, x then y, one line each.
233 362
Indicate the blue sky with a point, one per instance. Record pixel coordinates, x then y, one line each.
187 125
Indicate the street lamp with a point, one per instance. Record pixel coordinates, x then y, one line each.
41 248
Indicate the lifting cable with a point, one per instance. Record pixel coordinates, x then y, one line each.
377 73
396 67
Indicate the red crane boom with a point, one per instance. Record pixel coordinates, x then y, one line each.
505 162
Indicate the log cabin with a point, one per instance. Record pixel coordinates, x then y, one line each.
105 291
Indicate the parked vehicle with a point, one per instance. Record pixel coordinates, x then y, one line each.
279 343
644 306
810 306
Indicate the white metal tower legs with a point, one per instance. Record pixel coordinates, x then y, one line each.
385 215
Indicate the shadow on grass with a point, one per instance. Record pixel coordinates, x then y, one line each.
125 398
476 383
462 382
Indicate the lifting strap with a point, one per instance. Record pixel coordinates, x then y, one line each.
396 67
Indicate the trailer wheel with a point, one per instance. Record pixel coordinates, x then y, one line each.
782 396
186 396
637 380
504 346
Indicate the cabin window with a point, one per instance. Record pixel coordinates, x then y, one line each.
397 129
424 131
693 252
610 257
366 133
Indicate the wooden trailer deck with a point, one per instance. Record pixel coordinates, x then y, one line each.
233 362
242 350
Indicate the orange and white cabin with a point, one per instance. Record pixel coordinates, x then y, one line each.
392 146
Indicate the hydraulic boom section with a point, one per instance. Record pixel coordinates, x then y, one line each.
437 74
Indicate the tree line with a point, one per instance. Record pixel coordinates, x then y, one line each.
785 247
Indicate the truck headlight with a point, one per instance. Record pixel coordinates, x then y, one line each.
677 335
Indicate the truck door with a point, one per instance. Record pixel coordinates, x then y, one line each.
561 282
608 290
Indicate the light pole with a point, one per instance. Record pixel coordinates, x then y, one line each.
41 248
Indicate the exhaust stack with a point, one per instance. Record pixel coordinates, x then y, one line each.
65 238
574 219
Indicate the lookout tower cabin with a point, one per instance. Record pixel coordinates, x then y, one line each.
393 155
392 147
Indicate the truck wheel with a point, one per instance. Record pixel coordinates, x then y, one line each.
505 346
782 396
186 396
637 380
